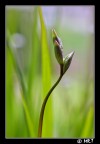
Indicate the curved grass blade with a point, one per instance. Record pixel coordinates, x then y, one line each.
23 88
46 78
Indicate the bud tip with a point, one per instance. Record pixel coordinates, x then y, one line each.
71 54
54 34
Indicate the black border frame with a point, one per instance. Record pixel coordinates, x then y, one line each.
2 52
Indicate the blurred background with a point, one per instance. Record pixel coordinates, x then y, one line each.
31 70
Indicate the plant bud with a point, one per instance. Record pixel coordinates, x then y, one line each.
58 52
67 61
57 47
55 37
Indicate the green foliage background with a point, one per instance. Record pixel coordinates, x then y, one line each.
33 69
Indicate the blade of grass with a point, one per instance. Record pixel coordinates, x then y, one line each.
33 50
19 72
9 96
46 78
23 88
33 66
28 118
88 126
12 19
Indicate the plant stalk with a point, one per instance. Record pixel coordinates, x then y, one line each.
44 104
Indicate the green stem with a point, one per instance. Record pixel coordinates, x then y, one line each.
43 107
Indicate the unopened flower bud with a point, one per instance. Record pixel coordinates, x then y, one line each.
58 52
57 47
55 37
67 62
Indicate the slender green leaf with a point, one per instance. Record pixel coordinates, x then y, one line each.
46 78
18 69
28 118
22 84
33 66
9 95
88 126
